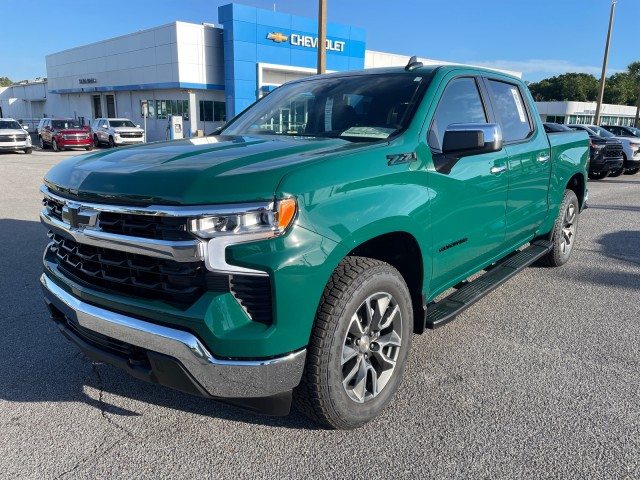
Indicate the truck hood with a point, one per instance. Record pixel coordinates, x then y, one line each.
13 131
196 171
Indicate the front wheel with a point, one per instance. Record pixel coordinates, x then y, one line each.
55 146
564 231
359 344
96 142
111 142
28 150
632 171
616 173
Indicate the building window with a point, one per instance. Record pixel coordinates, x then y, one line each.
211 111
164 108
555 118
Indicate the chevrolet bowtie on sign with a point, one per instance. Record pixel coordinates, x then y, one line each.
278 37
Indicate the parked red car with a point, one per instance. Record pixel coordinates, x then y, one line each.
64 133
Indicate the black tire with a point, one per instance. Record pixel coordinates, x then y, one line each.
598 175
564 231
89 147
96 142
54 145
111 142
347 358
616 173
28 150
632 171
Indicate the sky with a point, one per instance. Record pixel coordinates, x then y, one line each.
540 38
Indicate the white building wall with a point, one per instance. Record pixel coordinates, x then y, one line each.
199 54
373 59
145 57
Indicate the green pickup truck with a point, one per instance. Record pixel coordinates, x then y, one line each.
292 256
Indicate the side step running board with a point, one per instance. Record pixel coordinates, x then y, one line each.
445 310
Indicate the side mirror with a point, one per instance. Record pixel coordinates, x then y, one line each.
464 139
138 126
26 127
105 127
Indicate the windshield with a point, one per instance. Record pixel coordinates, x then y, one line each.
121 123
64 124
356 108
601 131
635 131
9 124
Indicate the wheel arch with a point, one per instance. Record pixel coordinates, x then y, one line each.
577 183
402 251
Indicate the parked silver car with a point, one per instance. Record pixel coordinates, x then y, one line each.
14 137
116 131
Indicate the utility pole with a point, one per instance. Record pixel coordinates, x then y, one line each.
322 36
596 119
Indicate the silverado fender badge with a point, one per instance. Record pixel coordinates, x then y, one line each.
398 158
78 218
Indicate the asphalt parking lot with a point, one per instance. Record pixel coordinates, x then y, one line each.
540 379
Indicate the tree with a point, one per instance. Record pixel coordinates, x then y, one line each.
577 87
633 69
620 89
5 82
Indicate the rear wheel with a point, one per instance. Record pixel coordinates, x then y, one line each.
564 231
359 344
616 173
632 171
96 142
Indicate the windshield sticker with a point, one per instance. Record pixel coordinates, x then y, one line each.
328 109
370 132
516 98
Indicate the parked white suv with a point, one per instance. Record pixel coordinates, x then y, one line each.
13 136
116 131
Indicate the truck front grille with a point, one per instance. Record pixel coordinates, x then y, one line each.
131 135
179 284
143 226
614 150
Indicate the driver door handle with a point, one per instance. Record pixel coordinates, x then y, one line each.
543 157
497 170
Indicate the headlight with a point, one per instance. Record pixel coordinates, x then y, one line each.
634 145
270 219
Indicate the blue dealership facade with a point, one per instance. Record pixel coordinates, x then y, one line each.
254 37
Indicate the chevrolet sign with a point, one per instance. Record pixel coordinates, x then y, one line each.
277 37
306 41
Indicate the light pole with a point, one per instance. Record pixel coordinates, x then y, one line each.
322 36
596 119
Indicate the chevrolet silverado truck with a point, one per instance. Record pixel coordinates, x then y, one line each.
292 257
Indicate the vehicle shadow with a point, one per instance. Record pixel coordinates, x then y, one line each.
40 365
623 244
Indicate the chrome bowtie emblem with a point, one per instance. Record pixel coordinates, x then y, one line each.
78 217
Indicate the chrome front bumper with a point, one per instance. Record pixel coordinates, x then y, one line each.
219 378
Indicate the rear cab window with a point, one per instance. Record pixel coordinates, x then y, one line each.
510 110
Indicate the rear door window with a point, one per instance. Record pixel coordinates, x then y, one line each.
510 110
